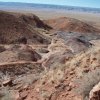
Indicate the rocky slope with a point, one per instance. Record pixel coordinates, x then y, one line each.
36 65
71 78
20 28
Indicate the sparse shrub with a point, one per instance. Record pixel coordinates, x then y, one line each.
6 94
87 82
4 76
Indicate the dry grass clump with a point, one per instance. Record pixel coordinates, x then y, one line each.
87 82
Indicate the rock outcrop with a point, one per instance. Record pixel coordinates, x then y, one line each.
95 93
19 53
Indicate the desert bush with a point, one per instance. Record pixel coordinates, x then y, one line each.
87 82
6 94
4 76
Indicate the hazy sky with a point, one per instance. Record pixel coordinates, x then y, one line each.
86 3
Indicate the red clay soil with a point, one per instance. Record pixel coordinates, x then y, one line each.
71 25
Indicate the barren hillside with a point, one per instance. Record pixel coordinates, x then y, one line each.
71 25
19 28
42 62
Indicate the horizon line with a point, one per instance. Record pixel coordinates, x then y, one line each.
50 4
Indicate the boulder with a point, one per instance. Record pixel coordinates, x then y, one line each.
95 92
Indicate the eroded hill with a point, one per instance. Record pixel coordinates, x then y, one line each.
20 28
71 25
41 62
